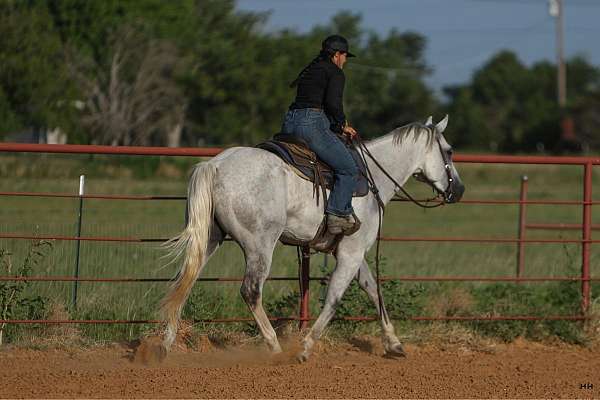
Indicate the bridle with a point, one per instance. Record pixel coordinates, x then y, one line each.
448 194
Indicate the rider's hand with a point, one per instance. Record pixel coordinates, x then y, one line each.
350 131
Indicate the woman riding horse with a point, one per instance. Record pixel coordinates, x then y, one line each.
316 116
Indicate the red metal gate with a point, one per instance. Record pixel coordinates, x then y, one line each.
586 240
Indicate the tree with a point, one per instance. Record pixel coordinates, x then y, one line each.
506 106
225 79
154 72
470 128
35 86
131 97
386 87
511 107
586 116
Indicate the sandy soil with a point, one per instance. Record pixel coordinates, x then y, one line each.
353 370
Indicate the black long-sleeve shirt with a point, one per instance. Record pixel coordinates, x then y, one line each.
322 86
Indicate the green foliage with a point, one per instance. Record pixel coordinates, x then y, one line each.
402 301
287 305
511 107
15 301
203 305
35 86
103 332
549 299
9 119
586 116
233 76
284 306
226 78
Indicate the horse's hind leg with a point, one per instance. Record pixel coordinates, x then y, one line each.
214 241
258 265
367 282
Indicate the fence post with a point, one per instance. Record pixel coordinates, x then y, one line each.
586 237
522 226
78 246
304 287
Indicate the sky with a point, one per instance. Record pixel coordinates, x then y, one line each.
462 34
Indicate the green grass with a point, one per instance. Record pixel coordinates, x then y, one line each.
163 219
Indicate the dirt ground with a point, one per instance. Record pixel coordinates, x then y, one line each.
355 369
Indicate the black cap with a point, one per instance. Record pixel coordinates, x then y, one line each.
336 43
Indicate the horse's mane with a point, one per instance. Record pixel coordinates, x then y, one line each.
416 130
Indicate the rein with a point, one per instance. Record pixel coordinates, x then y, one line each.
362 150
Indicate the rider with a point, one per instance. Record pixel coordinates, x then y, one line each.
316 116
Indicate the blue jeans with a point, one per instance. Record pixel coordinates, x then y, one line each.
312 126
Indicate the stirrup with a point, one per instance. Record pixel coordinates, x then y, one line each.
355 227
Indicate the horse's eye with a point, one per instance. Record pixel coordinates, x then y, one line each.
450 152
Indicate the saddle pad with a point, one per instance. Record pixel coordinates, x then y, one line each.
302 161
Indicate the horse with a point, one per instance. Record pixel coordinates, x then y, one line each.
255 198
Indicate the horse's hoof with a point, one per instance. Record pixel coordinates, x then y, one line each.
302 357
275 349
396 351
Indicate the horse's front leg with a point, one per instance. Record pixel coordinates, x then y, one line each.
367 282
346 268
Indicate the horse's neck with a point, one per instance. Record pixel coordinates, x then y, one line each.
399 160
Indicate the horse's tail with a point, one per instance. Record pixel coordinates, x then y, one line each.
193 243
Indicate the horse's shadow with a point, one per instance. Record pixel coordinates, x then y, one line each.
364 345
147 351
131 347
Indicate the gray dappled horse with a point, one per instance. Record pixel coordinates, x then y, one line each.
256 198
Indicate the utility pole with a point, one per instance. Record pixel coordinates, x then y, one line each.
556 11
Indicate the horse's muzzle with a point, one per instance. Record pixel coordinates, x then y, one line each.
454 192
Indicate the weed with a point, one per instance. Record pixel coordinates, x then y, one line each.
15 303
281 307
455 301
561 298
402 301
202 305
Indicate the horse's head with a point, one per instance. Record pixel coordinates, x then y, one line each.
436 168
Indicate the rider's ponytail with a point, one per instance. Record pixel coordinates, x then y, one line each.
323 55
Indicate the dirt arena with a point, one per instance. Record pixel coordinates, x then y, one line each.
352 370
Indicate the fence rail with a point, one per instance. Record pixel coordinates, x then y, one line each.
120 197
357 319
304 279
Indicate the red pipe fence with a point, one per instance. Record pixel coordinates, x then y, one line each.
304 278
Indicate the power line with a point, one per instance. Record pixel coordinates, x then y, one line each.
515 30
451 65
580 3
353 65
525 30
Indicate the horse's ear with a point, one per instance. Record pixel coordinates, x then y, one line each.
429 121
441 126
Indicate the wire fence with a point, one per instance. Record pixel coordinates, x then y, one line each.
304 278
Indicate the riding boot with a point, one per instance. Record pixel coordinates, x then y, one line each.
347 224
